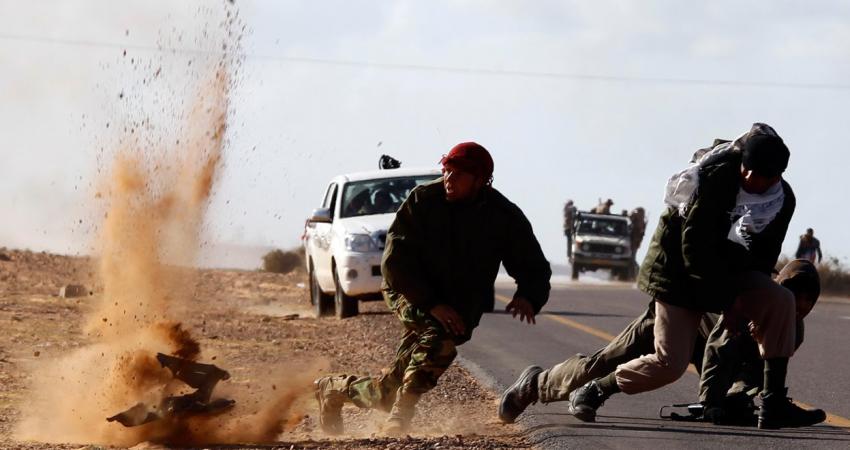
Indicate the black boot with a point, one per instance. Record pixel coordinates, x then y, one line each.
777 411
736 409
521 394
585 400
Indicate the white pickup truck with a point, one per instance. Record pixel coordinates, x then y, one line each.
344 238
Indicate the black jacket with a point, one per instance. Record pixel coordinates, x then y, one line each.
690 261
439 252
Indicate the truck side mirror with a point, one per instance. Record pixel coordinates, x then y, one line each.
321 215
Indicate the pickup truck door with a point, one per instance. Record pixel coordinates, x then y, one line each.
320 241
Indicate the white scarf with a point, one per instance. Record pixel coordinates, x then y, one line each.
682 186
752 212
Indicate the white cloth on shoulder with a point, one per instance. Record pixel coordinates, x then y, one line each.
752 212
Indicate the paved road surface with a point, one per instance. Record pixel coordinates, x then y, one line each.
581 318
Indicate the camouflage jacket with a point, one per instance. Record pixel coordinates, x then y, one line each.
445 253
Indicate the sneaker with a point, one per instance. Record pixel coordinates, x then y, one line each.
330 405
521 394
778 411
585 400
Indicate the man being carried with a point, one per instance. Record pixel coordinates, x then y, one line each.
809 247
442 256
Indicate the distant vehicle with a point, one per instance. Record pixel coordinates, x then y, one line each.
602 241
344 238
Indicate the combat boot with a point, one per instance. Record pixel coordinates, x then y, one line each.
585 400
401 414
331 393
519 395
735 409
777 411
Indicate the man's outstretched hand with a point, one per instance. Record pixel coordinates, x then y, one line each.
449 318
523 308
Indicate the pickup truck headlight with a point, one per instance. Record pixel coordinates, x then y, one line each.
359 243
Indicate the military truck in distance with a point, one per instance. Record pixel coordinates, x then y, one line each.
602 241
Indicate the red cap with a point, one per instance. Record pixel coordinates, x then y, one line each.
470 157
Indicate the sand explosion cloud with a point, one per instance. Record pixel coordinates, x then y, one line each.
156 200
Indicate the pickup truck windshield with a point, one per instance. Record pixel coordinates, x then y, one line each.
382 196
603 227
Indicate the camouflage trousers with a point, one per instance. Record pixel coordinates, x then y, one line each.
425 352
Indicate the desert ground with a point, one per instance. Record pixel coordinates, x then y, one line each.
256 325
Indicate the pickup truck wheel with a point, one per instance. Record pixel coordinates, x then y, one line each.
576 269
346 306
323 303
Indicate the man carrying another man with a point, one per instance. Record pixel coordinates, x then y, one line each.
713 250
442 256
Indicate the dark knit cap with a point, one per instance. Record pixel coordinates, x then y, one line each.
800 276
765 155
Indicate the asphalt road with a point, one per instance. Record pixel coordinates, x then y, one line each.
580 318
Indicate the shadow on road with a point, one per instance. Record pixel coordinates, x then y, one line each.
613 424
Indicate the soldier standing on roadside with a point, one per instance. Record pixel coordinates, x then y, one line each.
637 218
569 226
442 256
809 247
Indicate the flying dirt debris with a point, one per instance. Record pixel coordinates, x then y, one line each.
202 377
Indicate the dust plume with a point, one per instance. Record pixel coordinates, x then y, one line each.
156 198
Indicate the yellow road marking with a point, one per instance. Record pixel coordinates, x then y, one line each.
831 419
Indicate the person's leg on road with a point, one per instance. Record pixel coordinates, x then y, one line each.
635 340
556 383
675 331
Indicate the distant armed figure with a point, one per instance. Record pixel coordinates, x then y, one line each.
442 256
637 218
569 225
809 247
603 207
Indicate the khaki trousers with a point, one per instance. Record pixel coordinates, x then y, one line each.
769 306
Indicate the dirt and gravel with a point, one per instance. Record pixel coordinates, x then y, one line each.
255 322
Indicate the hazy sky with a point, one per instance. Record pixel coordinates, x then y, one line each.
574 99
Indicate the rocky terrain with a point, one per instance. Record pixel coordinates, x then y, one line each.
258 323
